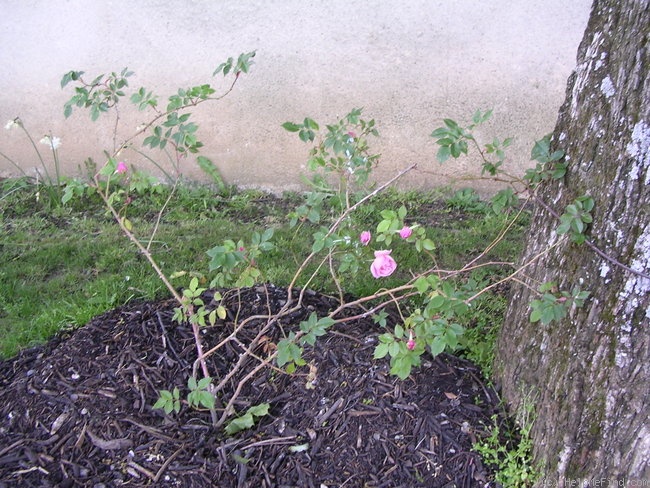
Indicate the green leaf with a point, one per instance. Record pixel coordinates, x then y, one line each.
221 312
451 124
559 170
161 403
564 227
127 224
310 124
206 399
401 367
548 314
429 245
541 148
421 284
318 245
383 226
443 154
247 420
288 351
244 61
212 171
479 118
259 410
70 76
306 135
437 345
399 331
441 132
437 302
291 127
381 350
241 423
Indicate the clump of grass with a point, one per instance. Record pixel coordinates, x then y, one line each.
62 265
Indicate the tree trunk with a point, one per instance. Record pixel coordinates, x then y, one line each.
588 375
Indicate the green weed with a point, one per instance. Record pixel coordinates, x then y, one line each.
510 449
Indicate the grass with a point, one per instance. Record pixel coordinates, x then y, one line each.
62 265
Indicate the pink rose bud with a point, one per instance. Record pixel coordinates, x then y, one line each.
410 345
365 237
406 232
383 265
121 168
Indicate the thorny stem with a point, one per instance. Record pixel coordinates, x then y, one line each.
117 121
496 240
160 214
160 115
379 294
140 247
593 247
524 284
156 164
550 210
514 273
335 225
333 275
534 195
145 252
228 409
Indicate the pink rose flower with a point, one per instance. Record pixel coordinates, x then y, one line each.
406 232
383 265
365 237
121 168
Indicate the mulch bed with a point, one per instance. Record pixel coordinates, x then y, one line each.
78 411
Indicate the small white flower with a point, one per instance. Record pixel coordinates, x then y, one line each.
53 142
11 124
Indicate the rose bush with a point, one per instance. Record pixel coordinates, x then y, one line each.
428 300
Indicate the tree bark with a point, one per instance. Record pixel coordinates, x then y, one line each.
588 375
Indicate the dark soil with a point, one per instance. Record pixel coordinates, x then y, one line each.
78 411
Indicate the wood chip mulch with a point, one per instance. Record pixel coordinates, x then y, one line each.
78 411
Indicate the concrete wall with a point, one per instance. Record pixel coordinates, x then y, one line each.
407 63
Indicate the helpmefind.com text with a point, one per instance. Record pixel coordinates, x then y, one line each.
596 483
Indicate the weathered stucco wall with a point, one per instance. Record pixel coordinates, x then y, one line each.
408 64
